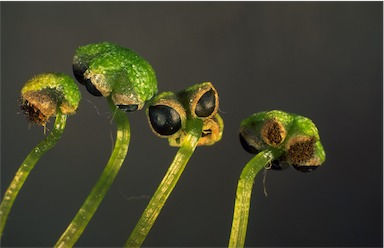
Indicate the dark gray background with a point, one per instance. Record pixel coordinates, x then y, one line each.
322 60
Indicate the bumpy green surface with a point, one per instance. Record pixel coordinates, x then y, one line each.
117 71
60 83
297 127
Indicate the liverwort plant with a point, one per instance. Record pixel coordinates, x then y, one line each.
279 140
127 81
188 119
44 96
109 70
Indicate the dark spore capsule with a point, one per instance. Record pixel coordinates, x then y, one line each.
164 119
206 104
277 165
305 169
128 108
78 71
249 148
91 88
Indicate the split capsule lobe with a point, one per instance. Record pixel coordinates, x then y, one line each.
164 119
168 113
206 104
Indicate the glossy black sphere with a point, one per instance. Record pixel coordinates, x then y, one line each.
164 119
206 104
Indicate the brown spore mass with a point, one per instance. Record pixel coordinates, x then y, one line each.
272 133
34 115
301 151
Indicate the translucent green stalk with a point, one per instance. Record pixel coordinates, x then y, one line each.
243 195
140 232
28 164
89 207
280 140
43 96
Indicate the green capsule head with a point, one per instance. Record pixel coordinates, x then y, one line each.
107 69
168 113
44 94
295 135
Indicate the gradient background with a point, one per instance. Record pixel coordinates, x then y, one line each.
322 60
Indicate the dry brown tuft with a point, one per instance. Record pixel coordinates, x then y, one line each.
301 150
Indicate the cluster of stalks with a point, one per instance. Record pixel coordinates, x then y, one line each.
188 118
